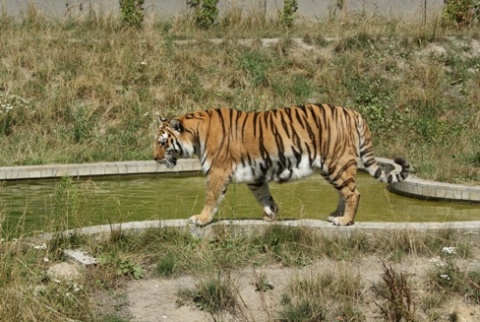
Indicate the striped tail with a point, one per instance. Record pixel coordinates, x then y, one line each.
376 171
369 162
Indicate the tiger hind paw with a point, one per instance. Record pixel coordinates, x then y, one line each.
198 221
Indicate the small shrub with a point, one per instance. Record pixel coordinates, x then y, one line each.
287 14
461 12
205 12
131 13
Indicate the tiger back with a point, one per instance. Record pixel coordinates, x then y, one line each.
276 145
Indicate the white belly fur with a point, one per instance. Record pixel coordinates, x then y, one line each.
252 173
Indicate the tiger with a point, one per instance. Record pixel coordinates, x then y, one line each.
277 145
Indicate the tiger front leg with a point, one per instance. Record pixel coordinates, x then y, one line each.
340 209
216 189
261 192
350 199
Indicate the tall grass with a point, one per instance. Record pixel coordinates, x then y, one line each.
94 89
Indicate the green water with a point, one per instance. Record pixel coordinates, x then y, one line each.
30 205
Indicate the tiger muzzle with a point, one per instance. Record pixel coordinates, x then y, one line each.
169 163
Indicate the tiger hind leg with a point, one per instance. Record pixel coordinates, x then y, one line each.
261 192
344 180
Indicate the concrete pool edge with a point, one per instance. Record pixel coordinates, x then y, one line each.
411 187
254 226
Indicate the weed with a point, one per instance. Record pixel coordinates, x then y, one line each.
64 213
397 295
167 265
262 284
13 110
290 246
359 41
212 295
255 64
473 289
123 267
302 311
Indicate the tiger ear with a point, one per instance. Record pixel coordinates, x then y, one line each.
176 125
161 120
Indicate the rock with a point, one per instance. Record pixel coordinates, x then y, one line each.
79 256
39 290
63 271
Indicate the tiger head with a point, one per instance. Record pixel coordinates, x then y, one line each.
171 143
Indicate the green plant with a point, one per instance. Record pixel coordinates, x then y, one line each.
262 284
306 298
82 126
167 264
205 12
131 12
473 288
12 112
302 311
287 14
123 267
290 246
64 210
447 276
255 64
212 295
461 12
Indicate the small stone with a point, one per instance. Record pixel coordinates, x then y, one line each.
80 257
39 290
63 271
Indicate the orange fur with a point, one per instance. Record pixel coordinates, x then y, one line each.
276 145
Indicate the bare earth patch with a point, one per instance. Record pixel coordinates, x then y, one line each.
156 298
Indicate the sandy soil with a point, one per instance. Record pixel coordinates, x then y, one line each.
155 299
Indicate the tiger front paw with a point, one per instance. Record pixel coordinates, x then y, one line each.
197 220
341 221
268 218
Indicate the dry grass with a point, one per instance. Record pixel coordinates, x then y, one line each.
90 91
318 292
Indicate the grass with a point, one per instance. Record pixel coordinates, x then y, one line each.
325 283
86 91
326 280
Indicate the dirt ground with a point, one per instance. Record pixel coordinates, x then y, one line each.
155 299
